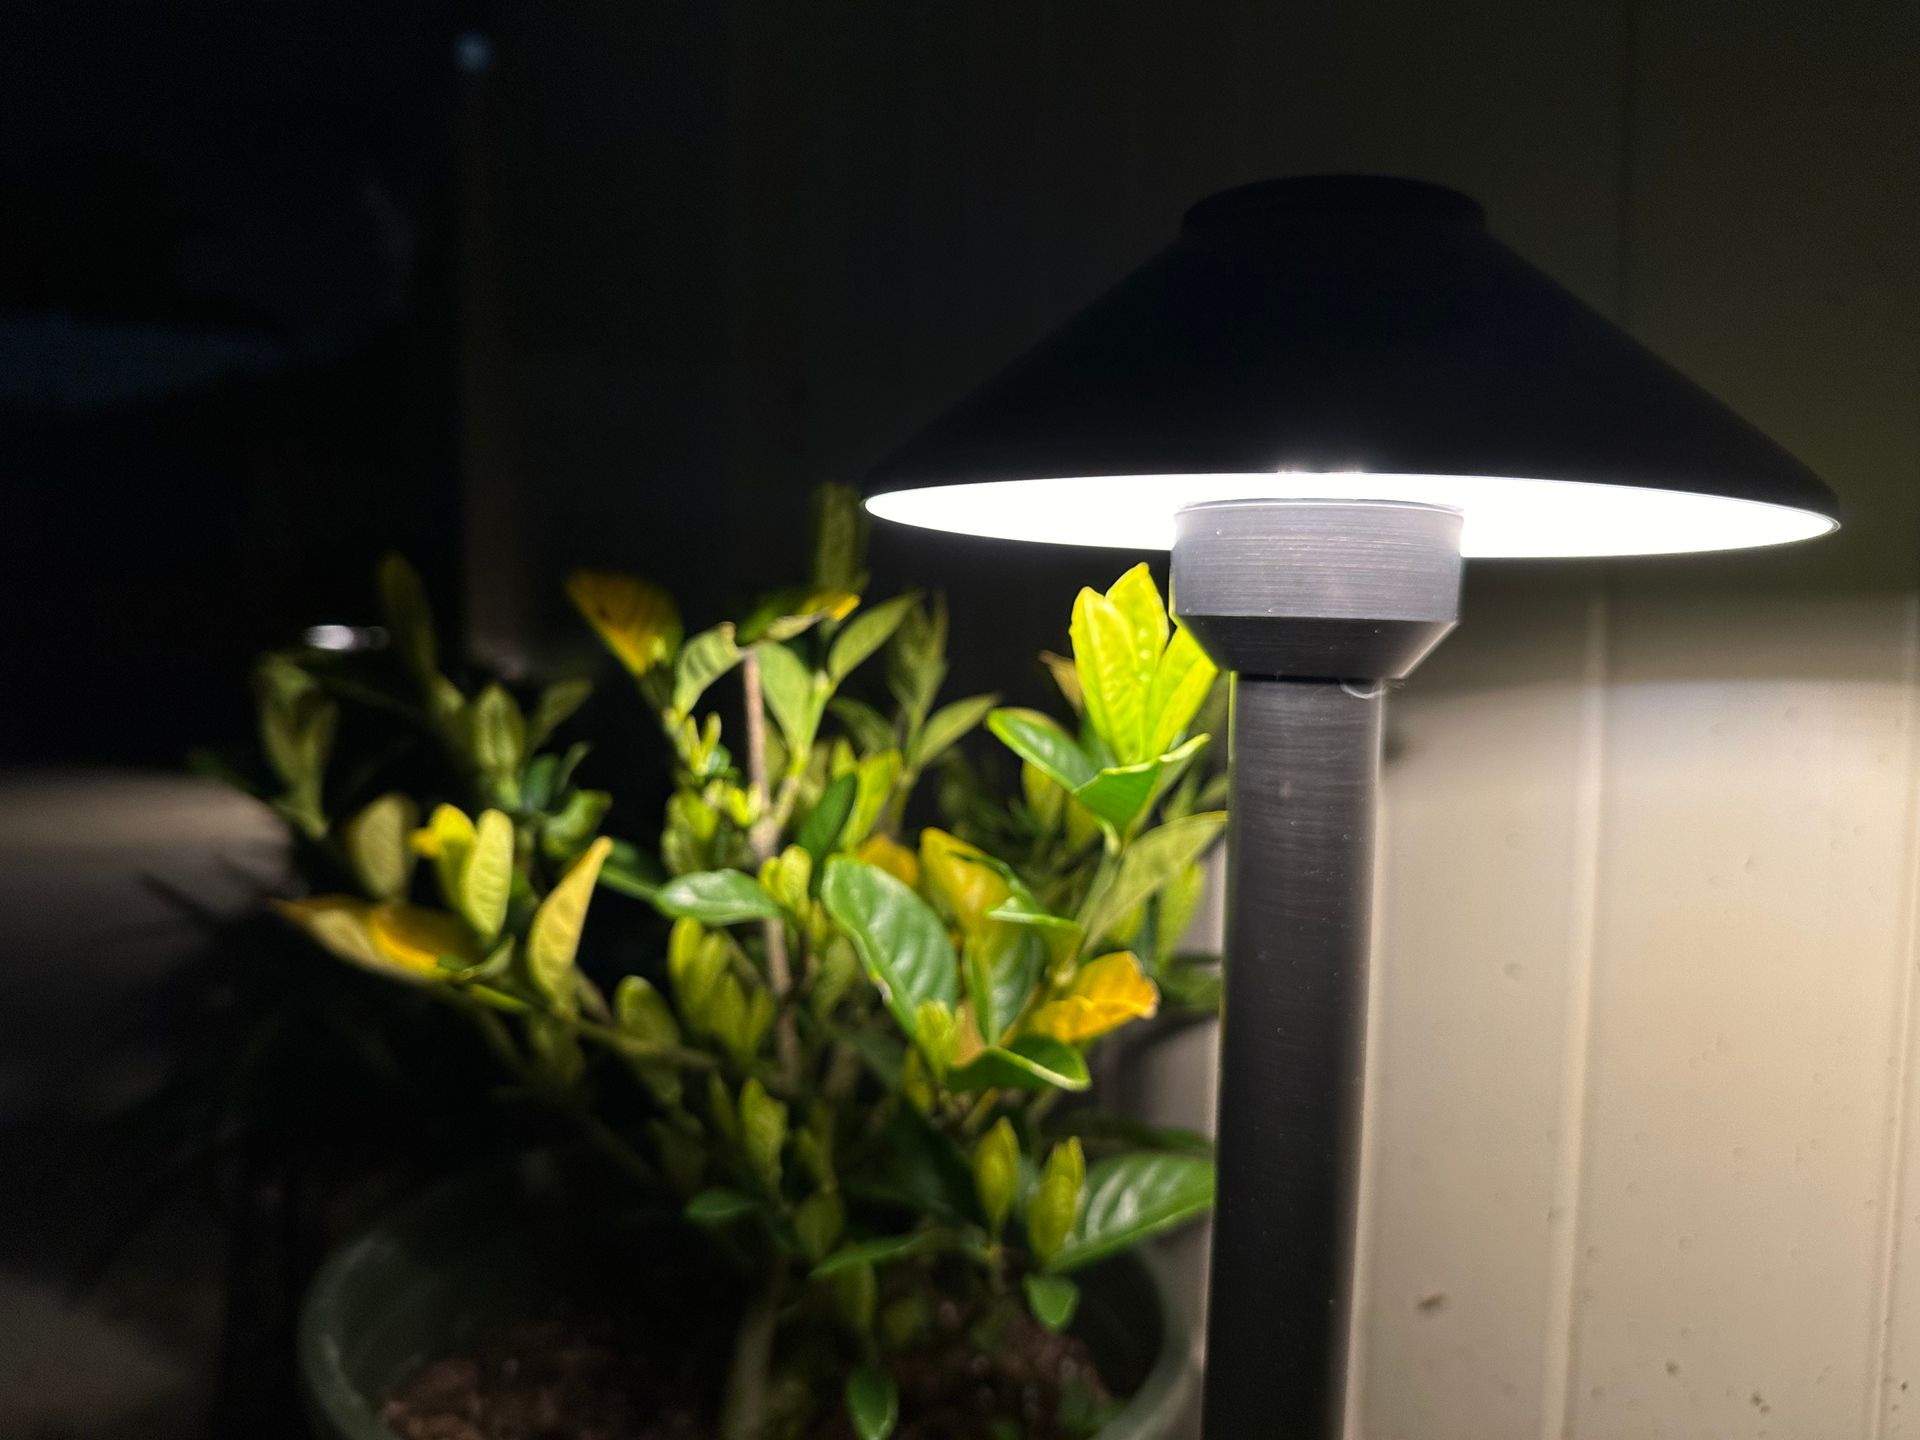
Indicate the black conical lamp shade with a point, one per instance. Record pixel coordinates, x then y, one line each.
1351 337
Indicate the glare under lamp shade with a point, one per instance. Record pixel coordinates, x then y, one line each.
1351 337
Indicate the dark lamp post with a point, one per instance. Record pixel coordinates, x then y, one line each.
1321 396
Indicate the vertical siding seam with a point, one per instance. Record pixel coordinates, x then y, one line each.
1893 1176
1583 920
1629 116
1359 1321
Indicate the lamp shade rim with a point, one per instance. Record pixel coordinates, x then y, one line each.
1506 517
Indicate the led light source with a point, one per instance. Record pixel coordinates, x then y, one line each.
1321 396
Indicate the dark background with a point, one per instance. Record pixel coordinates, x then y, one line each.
515 287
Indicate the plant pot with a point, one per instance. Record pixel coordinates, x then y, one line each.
478 1253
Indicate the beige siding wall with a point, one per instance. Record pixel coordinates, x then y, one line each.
1640 1159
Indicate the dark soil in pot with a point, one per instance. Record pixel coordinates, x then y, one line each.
578 1380
503 1307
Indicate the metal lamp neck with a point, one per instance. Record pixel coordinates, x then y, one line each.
1317 589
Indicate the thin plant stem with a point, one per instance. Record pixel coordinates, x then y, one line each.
762 837
744 1410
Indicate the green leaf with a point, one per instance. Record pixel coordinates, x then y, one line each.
1060 935
644 1014
1179 901
880 1251
1018 909
868 728
297 731
880 1051
1131 1198
855 1293
1120 1132
819 833
403 605
554 937
556 705
901 941
818 1223
486 875
569 762
865 633
631 871
1003 967
996 1170
716 897
875 778
948 725
1054 1206
1119 793
788 613
1179 687
839 538
1039 740
763 1131
1032 1062
873 1403
1052 1299
916 662
720 1207
702 660
496 733
556 1051
916 1170
793 696
788 877
1192 984
568 832
1144 866
1105 658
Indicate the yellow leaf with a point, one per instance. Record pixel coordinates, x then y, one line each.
892 857
637 621
376 843
1137 599
996 1171
956 874
1103 995
786 877
447 840
554 937
1178 689
1082 827
834 604
413 938
404 941
1105 658
1045 796
1066 677
966 1037
486 874
338 923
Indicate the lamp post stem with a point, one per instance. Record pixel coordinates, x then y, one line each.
1290 595
1306 763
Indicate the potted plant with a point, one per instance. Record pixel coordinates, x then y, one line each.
852 1064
